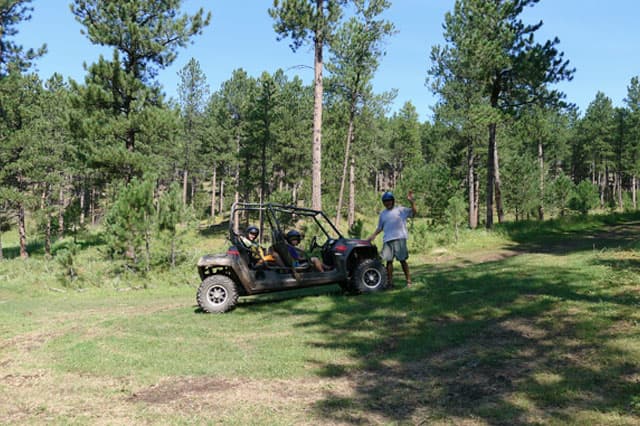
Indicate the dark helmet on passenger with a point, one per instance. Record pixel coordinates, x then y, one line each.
253 230
294 235
388 196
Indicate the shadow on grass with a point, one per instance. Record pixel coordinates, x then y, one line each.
500 343
219 229
36 247
571 234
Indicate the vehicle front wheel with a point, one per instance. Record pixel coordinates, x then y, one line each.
217 294
370 276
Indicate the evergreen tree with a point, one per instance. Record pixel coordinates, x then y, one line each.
128 224
488 46
19 107
632 155
310 21
12 55
146 36
170 215
356 49
193 93
596 130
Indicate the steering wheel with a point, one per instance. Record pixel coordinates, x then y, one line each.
314 243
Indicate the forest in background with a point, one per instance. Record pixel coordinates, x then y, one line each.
112 151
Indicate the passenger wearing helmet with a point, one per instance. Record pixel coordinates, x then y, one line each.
298 255
393 221
250 241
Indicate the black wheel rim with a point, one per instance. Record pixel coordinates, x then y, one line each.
217 295
371 278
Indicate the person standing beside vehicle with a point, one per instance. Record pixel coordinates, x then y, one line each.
393 221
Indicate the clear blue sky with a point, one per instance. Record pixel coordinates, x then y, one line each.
600 38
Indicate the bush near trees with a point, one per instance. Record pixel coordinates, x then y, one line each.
111 151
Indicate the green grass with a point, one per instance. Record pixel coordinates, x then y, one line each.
545 335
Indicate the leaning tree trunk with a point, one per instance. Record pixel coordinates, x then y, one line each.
22 232
351 216
347 147
473 214
316 162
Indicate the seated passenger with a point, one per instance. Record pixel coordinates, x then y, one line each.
298 255
250 241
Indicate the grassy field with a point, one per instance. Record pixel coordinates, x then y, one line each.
530 324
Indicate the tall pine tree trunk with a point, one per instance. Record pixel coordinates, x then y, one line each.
22 231
214 187
47 236
92 206
82 203
316 162
47 228
185 179
633 192
541 165
61 207
476 201
491 175
351 216
601 186
194 186
498 183
473 214
221 209
620 200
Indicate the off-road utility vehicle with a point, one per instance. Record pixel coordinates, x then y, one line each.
354 264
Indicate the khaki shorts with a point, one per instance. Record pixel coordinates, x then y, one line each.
395 248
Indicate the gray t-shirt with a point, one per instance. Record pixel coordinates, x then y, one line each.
394 223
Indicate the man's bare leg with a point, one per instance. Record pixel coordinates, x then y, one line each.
390 274
407 274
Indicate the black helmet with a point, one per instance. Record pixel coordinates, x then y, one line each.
294 235
388 196
253 230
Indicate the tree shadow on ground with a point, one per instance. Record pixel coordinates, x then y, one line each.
219 229
528 238
36 247
497 343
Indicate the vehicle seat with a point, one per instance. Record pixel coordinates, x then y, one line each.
282 249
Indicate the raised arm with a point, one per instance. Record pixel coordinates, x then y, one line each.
413 203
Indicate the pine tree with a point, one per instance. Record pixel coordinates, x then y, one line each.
356 49
489 47
12 55
310 21
193 93
146 36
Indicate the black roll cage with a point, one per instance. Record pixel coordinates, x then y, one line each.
271 209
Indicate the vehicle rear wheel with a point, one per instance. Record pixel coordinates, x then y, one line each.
217 294
370 276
